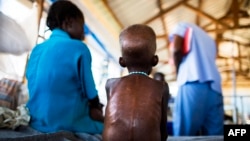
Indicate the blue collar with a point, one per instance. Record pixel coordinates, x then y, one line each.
59 32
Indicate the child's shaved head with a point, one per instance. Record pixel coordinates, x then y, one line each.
138 44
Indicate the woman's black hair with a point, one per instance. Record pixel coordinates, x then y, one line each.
159 75
60 11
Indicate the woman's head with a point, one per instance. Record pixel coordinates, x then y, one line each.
138 44
67 16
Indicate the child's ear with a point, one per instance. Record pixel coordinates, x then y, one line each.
122 62
155 60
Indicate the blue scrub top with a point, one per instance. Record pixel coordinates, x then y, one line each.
60 82
199 63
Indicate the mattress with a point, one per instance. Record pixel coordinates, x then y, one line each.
24 133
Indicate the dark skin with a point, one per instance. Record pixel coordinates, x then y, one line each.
74 27
177 52
136 108
147 70
161 77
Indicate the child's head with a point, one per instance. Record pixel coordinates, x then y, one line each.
159 76
138 45
67 16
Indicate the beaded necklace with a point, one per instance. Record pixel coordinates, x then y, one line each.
138 72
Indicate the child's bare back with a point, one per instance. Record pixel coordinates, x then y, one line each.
136 107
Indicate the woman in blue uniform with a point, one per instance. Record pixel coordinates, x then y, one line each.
60 81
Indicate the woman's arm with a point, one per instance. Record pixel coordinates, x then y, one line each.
177 52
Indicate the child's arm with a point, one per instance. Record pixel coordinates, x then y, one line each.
96 109
164 134
110 82
107 85
177 52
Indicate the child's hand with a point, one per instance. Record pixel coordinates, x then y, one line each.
96 113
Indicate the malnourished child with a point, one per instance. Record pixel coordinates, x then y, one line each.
136 107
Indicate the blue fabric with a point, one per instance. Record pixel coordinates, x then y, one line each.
198 107
60 82
199 64
199 102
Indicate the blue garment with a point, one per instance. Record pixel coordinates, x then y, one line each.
199 64
199 101
60 82
198 109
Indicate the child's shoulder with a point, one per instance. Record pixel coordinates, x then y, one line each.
161 84
112 81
